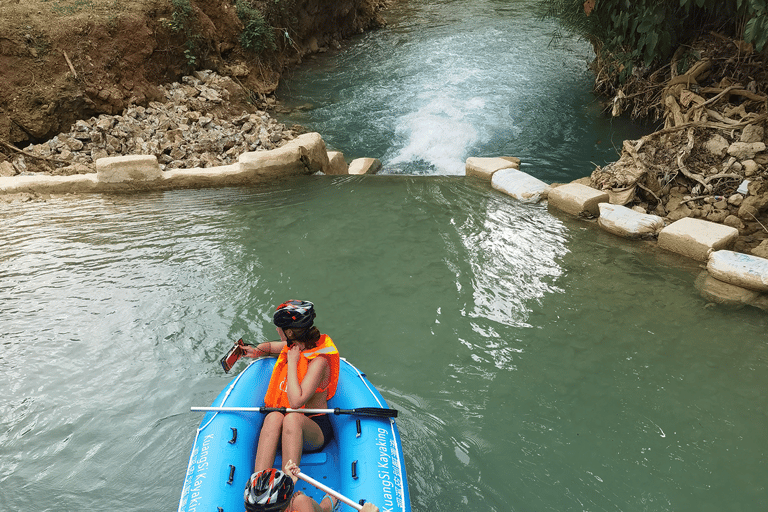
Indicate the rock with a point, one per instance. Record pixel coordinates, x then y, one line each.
752 133
364 166
736 199
761 250
7 169
121 169
733 221
717 145
745 150
336 163
752 206
749 167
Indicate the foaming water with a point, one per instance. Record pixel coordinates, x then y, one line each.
448 80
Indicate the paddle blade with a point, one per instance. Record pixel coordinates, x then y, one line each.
372 412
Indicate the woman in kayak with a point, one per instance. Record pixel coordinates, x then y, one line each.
271 490
305 376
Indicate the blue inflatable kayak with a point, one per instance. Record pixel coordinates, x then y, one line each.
364 461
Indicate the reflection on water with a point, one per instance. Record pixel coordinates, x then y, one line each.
537 365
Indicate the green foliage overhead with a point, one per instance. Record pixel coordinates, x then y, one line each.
647 32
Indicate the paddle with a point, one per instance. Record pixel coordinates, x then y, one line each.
372 412
330 491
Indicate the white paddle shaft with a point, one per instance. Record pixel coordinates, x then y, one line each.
330 491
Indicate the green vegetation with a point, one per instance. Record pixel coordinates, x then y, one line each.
68 8
632 33
257 34
182 21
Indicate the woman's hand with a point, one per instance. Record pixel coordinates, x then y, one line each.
292 470
293 355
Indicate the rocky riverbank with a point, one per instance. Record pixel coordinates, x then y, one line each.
196 126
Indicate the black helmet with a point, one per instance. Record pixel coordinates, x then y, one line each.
296 314
267 491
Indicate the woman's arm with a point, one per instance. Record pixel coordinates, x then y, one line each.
299 393
267 348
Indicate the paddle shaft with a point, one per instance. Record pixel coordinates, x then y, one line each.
374 412
330 491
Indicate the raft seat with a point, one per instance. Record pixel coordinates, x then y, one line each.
307 459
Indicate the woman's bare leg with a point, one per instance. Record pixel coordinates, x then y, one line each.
299 434
269 438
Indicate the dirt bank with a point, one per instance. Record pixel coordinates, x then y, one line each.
64 60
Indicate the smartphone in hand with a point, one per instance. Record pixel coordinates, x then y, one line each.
231 357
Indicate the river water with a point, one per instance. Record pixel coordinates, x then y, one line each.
537 362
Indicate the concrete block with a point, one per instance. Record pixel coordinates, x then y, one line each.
305 154
577 199
336 163
694 238
485 167
521 186
627 223
121 169
739 269
364 166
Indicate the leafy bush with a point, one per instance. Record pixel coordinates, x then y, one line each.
182 21
257 34
647 32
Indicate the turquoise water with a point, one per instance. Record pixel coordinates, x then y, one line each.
537 363
452 79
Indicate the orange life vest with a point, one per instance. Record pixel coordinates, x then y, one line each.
277 395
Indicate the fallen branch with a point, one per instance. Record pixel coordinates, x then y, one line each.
30 155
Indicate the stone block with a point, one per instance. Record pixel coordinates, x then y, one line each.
305 154
364 166
577 199
627 223
485 167
695 238
521 186
121 169
336 163
739 269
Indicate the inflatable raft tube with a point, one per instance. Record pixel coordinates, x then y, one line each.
363 461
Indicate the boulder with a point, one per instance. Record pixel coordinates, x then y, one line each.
336 163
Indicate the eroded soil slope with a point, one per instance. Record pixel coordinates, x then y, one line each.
64 60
